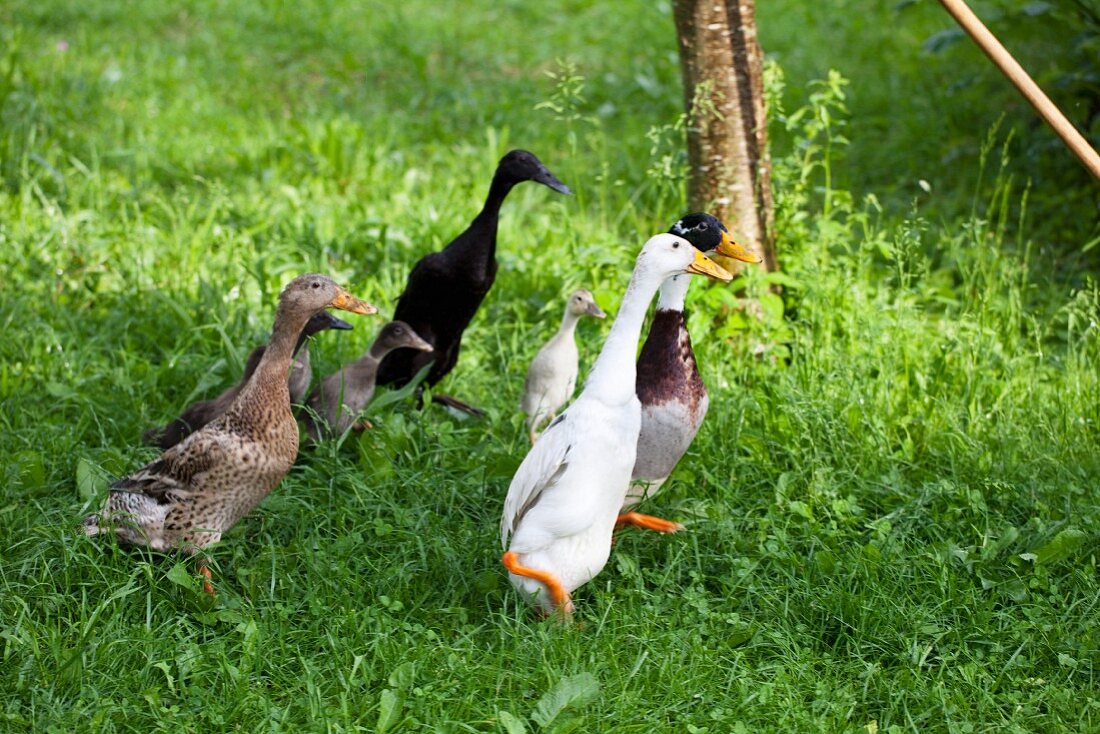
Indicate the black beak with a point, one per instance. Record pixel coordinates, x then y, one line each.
339 324
324 320
548 179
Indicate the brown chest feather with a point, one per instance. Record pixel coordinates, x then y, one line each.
666 366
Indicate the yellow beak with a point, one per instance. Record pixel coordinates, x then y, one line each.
347 302
728 248
703 266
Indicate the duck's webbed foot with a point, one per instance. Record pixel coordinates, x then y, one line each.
456 404
647 522
563 605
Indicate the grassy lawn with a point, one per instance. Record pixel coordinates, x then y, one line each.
893 509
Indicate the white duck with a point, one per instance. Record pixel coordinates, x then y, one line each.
552 375
674 398
565 496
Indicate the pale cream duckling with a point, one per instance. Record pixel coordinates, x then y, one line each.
552 376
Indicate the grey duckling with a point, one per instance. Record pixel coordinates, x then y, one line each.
335 404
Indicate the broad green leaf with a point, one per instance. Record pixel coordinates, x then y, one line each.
179 574
570 692
402 676
1061 546
389 710
800 508
511 723
772 307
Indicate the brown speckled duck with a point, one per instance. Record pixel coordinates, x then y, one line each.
203 485
199 414
673 396
334 405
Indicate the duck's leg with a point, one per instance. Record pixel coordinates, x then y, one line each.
449 402
362 425
558 594
533 422
208 578
647 522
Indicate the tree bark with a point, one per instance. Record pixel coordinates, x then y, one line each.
722 66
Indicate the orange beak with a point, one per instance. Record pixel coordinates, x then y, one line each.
728 248
703 266
347 302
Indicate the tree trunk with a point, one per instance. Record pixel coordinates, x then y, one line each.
722 67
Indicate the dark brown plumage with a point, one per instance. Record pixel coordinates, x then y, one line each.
668 362
198 414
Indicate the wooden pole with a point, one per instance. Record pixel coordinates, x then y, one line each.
1027 86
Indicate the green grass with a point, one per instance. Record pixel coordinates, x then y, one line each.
892 508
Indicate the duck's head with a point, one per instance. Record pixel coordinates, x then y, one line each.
666 255
311 293
708 234
583 303
518 166
324 320
398 334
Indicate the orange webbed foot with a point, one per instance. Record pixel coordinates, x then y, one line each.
647 522
558 594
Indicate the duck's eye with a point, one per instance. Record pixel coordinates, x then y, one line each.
703 226
315 285
675 245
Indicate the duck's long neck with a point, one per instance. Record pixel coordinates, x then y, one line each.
477 247
568 324
271 373
373 357
673 292
614 374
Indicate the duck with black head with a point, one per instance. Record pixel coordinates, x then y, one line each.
673 396
445 289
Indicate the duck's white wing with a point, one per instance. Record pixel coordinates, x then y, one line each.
544 463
